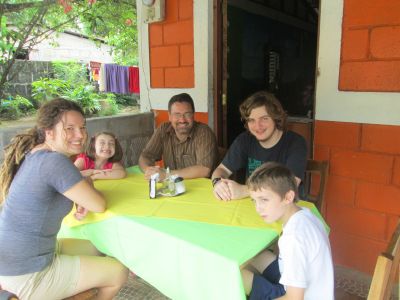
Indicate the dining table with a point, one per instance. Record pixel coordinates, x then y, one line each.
189 246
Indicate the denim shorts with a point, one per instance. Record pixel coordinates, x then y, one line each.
266 286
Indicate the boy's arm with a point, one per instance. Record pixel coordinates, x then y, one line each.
293 293
220 188
226 189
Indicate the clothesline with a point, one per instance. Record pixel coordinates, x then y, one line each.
116 79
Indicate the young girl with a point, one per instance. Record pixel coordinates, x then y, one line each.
102 158
39 185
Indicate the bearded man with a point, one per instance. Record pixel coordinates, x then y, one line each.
188 148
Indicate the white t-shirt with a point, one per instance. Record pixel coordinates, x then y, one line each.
305 259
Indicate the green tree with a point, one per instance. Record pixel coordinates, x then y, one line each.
25 23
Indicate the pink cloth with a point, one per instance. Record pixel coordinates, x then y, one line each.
89 163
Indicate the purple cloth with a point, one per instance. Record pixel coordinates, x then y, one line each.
117 79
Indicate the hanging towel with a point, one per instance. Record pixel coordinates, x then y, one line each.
117 79
134 80
102 79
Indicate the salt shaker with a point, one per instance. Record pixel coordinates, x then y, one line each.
179 186
153 185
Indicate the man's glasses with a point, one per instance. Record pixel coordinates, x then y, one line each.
187 115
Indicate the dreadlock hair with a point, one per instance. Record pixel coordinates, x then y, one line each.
91 149
14 153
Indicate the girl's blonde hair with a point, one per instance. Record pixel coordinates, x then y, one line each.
14 153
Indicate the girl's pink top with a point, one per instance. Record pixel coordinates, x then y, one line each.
89 163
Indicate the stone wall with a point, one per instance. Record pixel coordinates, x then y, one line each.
133 132
26 72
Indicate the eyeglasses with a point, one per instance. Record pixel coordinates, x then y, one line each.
186 115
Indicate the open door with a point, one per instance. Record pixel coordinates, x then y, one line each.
264 45
220 71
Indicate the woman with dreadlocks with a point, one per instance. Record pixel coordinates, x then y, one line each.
39 186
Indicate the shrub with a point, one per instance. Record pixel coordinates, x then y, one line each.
74 73
86 97
14 108
109 105
46 89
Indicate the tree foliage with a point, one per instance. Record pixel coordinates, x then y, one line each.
25 23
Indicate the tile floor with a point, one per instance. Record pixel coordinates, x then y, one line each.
349 285
138 289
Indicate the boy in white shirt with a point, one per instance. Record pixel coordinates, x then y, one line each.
304 268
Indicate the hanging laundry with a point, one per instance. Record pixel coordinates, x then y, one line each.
117 79
102 79
94 70
134 80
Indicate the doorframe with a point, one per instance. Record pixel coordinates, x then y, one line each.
220 71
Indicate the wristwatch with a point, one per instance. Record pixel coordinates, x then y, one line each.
215 180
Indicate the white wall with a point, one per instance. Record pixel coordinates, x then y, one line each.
70 48
335 105
203 69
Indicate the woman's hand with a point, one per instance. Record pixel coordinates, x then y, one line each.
80 213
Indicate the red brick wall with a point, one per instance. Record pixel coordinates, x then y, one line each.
363 194
171 47
370 54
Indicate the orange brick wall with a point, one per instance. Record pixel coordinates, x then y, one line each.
370 54
363 193
171 47
162 116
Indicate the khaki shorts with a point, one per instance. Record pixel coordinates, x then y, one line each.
57 281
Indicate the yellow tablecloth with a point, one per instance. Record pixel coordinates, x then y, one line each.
130 197
189 247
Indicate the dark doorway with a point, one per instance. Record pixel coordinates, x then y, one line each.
270 45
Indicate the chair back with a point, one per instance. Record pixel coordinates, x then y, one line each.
315 181
386 268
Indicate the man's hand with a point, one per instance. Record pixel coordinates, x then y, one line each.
153 170
227 190
222 190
